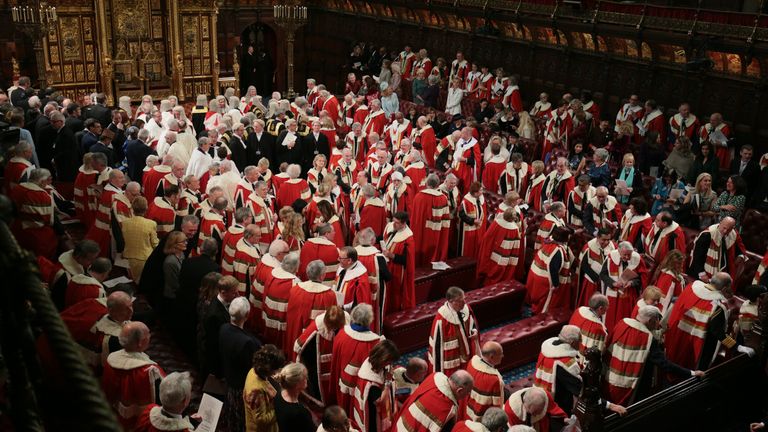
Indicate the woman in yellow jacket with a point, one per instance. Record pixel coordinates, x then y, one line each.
140 235
259 391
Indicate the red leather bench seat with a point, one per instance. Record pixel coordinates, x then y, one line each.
432 284
522 340
492 305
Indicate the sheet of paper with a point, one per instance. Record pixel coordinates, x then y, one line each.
209 411
718 138
675 194
653 171
621 184
440 265
112 282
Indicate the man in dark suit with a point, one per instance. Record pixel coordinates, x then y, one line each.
20 96
747 168
288 148
104 145
74 122
136 152
44 135
99 111
237 146
117 126
90 135
214 317
65 153
315 143
260 145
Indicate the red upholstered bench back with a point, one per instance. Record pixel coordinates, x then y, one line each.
753 229
432 284
522 339
492 305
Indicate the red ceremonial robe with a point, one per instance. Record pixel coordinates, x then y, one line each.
372 259
628 346
417 173
90 326
153 420
558 190
379 175
374 215
556 133
353 287
492 173
82 287
722 152
101 231
318 339
653 121
398 199
401 292
621 303
86 204
546 227
635 228
541 109
533 195
470 235
713 261
687 326
607 215
326 251
260 278
350 348
512 98
130 382
375 122
362 416
551 356
395 133
517 415
658 244
487 391
539 295
430 222
163 213
430 407
17 171
671 285
277 292
292 190
468 170
452 341
516 179
500 253
760 269
593 331
244 264
307 301
680 126
228 247
575 205
152 180
33 226
425 139
591 262
211 226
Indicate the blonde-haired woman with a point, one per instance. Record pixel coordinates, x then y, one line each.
291 414
293 231
630 175
318 172
701 202
526 128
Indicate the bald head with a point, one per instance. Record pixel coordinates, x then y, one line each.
492 352
120 306
134 337
461 383
416 369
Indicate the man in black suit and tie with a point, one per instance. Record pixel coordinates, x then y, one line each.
260 145
65 153
99 111
214 317
44 136
747 168
74 122
20 96
315 143
90 135
238 147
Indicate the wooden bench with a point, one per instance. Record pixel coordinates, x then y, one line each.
432 284
492 305
522 340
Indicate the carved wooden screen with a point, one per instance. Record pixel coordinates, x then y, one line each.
198 39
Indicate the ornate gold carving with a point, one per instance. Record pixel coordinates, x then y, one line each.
204 27
157 27
191 39
129 18
70 38
87 29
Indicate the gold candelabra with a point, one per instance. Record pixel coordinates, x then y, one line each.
291 18
35 20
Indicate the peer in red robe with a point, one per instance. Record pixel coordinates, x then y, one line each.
351 284
314 348
307 301
85 286
431 407
292 190
664 236
623 275
277 292
453 339
350 348
557 130
549 279
397 131
261 276
376 119
500 251
430 222
374 404
591 261
35 218
152 180
212 226
473 216
559 183
684 123
155 419
652 120
715 249
245 260
488 388
533 194
515 177
398 197
423 138
86 203
323 248
589 320
232 236
517 409
635 224
373 214
163 211
629 345
399 248
494 170
101 231
467 159
554 219
718 133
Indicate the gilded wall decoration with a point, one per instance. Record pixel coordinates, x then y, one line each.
130 18
70 38
191 39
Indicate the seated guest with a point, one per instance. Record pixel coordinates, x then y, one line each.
130 377
407 379
236 348
698 324
140 236
706 162
577 162
488 388
291 414
700 203
635 354
548 284
260 390
732 201
632 177
600 173
661 190
533 406
372 410
175 394
589 320
681 158
434 405
89 284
